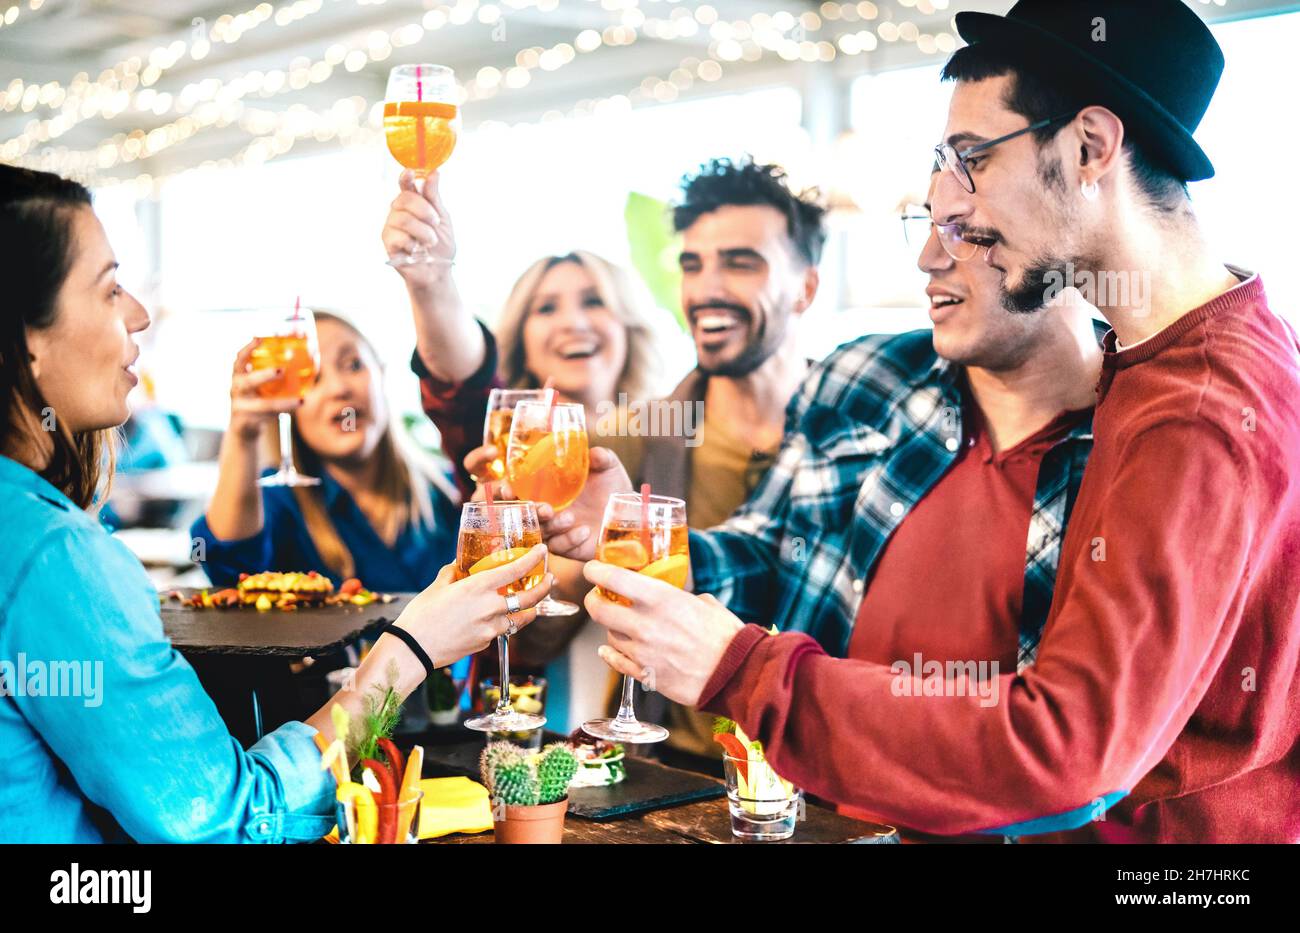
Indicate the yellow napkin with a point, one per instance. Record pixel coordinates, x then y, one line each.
450 805
453 805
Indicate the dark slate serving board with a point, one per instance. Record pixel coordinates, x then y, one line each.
648 786
245 631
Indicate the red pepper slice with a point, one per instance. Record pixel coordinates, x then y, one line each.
396 767
736 750
387 832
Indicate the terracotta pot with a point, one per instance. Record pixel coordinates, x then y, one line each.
543 823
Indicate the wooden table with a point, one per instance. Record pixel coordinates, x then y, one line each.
706 821
699 821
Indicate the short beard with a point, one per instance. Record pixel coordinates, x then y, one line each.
757 351
754 355
1032 293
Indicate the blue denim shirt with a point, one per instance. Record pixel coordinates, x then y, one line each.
105 732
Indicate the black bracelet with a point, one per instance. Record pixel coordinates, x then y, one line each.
409 639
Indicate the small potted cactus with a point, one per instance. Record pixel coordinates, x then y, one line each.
530 794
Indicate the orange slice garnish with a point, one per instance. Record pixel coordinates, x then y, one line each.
672 569
497 558
425 109
628 553
544 455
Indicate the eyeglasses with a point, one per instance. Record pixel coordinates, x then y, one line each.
916 231
953 161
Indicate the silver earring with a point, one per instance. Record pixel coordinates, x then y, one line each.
1090 190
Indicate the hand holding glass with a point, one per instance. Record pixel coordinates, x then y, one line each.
547 461
492 534
421 125
288 343
649 537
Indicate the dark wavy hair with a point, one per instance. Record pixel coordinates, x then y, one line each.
723 182
1035 96
36 214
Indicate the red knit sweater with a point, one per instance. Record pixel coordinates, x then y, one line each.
1168 667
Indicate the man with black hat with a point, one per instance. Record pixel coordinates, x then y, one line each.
1160 705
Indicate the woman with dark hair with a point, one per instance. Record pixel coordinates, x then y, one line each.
107 733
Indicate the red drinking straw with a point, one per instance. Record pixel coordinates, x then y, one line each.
645 519
552 397
419 116
297 305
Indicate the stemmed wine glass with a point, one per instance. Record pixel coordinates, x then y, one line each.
646 534
496 425
421 124
492 534
288 343
547 461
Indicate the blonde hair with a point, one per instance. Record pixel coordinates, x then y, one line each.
405 472
624 295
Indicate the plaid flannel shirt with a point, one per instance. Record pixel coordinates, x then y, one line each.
873 429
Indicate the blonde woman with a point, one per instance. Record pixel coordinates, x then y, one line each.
383 512
575 320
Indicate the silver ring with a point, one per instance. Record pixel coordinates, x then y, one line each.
645 675
512 603
511 628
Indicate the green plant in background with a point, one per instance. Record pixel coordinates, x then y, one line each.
654 248
525 782
442 690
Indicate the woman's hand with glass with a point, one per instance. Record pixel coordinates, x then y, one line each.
235 511
420 218
450 619
453 618
250 411
572 531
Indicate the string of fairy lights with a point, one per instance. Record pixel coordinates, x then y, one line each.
832 30
9 16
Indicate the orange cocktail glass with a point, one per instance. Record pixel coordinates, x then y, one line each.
646 534
288 342
293 354
493 534
421 134
496 425
421 125
547 459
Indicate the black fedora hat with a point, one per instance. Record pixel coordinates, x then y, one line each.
1153 62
